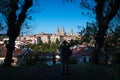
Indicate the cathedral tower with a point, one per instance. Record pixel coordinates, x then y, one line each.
63 31
71 32
58 31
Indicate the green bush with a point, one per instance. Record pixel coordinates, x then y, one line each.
73 61
116 56
31 60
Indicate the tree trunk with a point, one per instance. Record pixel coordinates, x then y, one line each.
102 25
103 22
14 27
99 41
10 48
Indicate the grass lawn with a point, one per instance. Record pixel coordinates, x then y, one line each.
77 72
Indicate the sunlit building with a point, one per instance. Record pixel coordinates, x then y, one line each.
46 38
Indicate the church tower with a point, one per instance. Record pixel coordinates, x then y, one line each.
58 31
72 32
63 31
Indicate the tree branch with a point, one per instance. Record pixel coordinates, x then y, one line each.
99 10
114 10
22 15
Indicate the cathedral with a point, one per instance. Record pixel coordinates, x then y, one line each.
46 38
63 33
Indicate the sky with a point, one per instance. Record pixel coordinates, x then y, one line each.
51 14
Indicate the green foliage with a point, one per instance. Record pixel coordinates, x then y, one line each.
116 55
112 43
31 60
90 30
73 61
74 42
57 41
39 41
113 37
46 47
116 36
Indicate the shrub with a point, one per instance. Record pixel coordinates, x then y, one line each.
73 61
116 56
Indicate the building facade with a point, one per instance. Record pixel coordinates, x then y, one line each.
46 38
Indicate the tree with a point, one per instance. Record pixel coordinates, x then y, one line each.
107 13
39 41
57 41
112 43
3 25
104 15
89 31
14 25
113 37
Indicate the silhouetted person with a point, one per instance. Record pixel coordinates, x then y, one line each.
64 54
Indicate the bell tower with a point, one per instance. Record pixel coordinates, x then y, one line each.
72 32
63 31
58 31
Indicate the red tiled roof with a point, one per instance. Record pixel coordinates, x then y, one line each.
84 52
80 53
15 52
76 55
45 54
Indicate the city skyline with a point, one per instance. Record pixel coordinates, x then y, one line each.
53 14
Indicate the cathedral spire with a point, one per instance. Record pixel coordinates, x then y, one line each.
58 31
72 32
63 31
